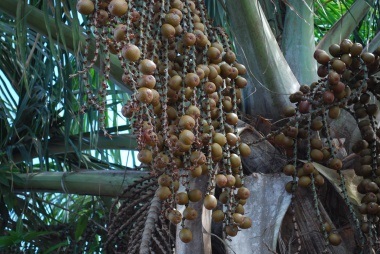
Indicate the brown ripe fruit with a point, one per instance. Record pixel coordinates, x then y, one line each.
304 107
144 95
339 66
199 26
289 111
147 67
85 7
231 139
316 124
164 180
241 68
334 112
148 81
372 208
209 87
289 170
356 49
186 137
308 168
219 138
322 57
145 156
338 88
319 180
168 31
346 58
368 58
304 181
335 239
216 152
190 213
213 53
196 172
226 70
102 17
322 71
316 143
244 149
175 83
185 235
345 46
131 52
172 19
118 7
218 216
290 186
231 230
235 160
241 82
336 164
230 180
229 57
243 193
163 192
238 218
328 97
189 39
232 118
221 180
186 122
223 197
119 32
316 155
195 195
334 50
210 202
175 217
333 78
246 223
181 198
192 80
197 158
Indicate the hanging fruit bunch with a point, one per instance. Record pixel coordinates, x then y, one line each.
186 86
348 82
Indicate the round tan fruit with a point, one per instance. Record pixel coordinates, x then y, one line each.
181 198
221 180
85 7
210 202
195 195
243 193
231 230
190 213
185 235
145 156
335 239
218 215
131 52
163 192
244 149
118 7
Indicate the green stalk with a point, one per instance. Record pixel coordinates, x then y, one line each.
86 182
270 77
298 49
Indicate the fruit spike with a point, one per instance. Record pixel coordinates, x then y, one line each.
184 106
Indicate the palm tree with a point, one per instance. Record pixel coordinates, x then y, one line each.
67 187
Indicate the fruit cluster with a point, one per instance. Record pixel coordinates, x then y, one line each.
348 81
186 85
